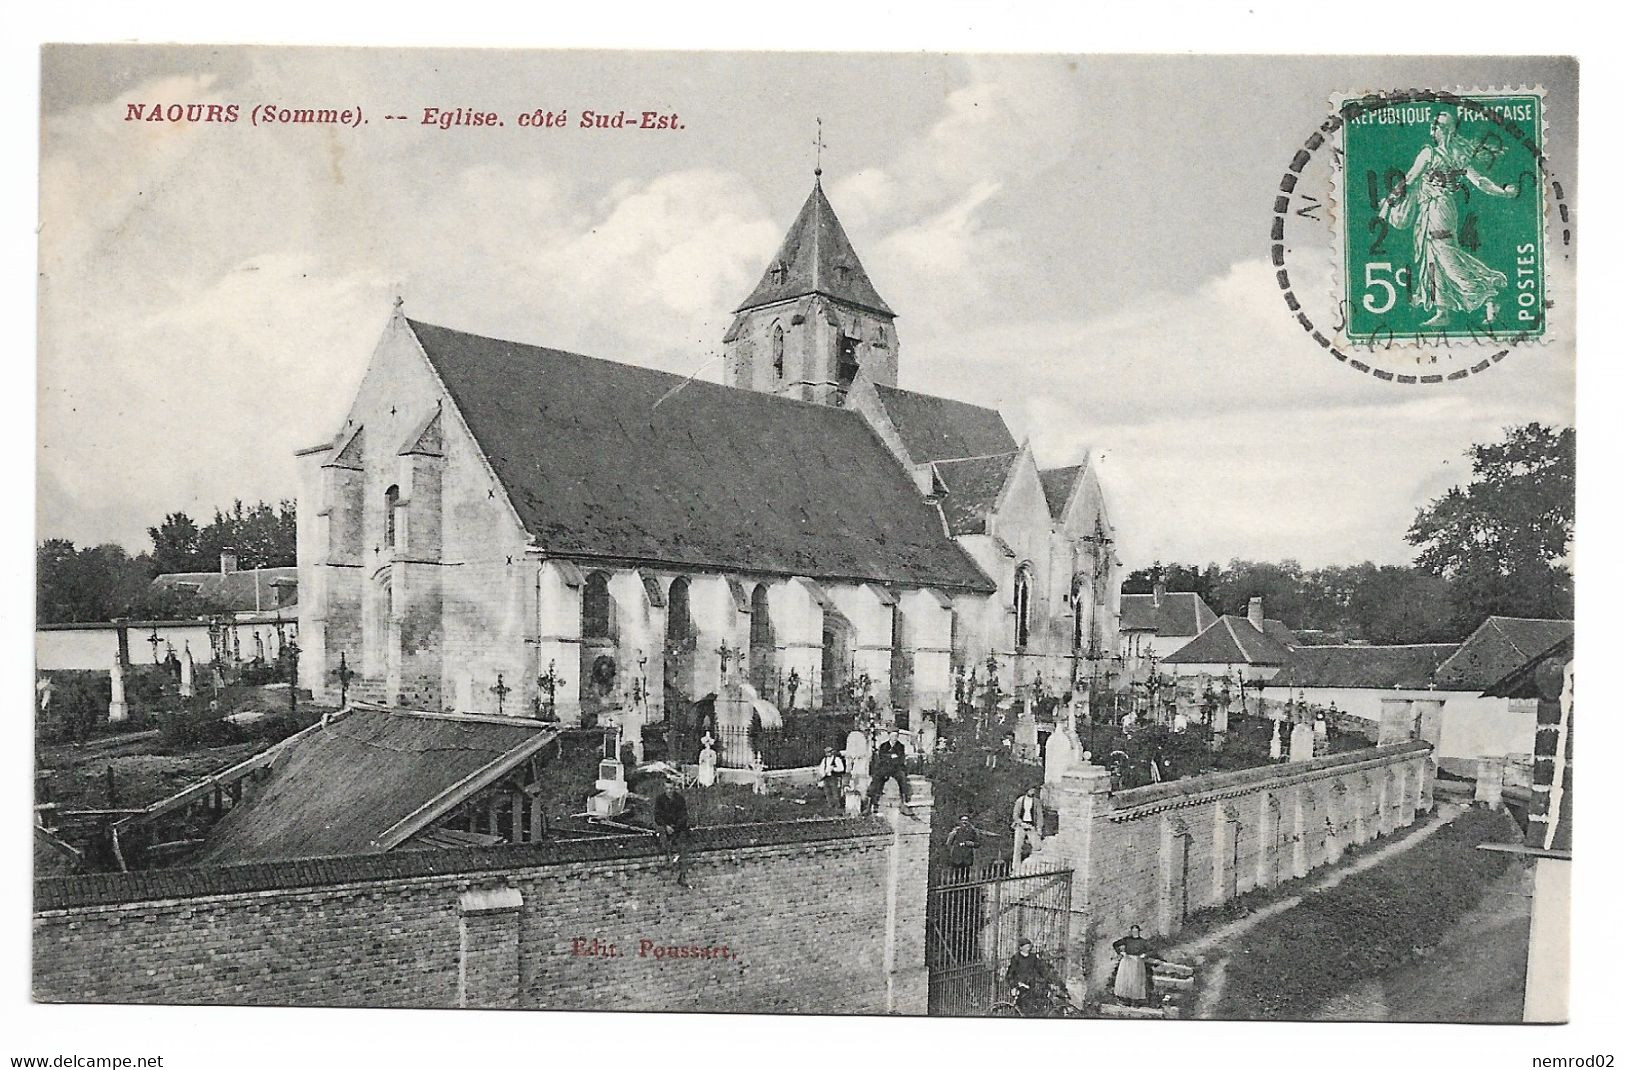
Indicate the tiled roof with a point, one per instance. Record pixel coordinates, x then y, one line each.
816 257
341 789
621 462
936 429
1499 646
1058 483
235 592
973 487
1230 640
1280 633
1181 613
1364 666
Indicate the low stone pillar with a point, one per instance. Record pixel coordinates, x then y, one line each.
1396 724
488 948
1491 779
1429 717
1303 743
907 877
117 709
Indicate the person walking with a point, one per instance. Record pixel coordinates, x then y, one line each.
888 764
1027 819
832 775
671 828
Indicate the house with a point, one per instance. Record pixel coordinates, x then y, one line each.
233 590
504 527
1153 626
1470 723
1253 647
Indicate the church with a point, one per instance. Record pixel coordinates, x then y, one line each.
503 528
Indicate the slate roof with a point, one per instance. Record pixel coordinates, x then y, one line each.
816 257
936 429
626 463
1409 666
340 790
1181 613
973 490
1230 640
1058 483
1499 646
240 591
1280 632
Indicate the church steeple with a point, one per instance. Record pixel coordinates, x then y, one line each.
815 319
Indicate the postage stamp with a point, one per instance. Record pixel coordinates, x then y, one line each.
1440 222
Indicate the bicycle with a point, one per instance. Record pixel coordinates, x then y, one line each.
1056 1005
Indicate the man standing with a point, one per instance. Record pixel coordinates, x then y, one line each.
888 764
832 774
671 827
1027 819
963 840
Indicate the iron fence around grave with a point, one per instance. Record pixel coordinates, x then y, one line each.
974 922
798 743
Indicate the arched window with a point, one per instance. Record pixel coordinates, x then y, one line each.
1024 605
778 351
392 499
597 610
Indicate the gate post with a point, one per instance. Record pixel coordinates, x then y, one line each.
907 985
1082 799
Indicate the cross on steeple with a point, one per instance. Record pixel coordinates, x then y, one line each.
818 150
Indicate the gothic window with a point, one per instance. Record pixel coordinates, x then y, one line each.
597 610
846 359
778 351
1023 602
1078 630
392 499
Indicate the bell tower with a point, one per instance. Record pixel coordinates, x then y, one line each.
814 321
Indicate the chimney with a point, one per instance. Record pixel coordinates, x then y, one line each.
228 561
1255 613
1157 592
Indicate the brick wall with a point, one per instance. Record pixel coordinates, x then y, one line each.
805 916
1154 856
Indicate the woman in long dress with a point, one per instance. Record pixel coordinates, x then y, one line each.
1133 981
1445 277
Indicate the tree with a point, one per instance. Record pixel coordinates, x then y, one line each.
175 544
1502 540
1175 578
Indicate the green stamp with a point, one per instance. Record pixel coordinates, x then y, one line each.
1441 222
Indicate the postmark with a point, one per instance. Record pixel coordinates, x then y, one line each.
1439 227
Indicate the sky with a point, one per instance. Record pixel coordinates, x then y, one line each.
1081 242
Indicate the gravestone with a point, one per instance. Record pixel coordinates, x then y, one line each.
188 673
857 760
708 761
1275 741
1303 743
1323 740
117 709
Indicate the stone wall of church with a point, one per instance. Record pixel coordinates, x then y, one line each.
1154 856
812 328
786 917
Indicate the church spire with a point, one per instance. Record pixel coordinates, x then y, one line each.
816 257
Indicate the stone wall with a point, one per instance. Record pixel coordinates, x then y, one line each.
806 916
1154 856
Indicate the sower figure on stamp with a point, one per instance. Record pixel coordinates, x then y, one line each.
832 775
671 827
1447 278
888 764
1027 819
1132 984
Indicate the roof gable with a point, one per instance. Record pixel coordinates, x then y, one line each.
938 429
1499 646
621 462
816 257
1181 613
1231 640
237 591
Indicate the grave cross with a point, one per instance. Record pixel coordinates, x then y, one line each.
154 641
501 691
345 674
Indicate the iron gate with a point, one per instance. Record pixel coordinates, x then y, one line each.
973 923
